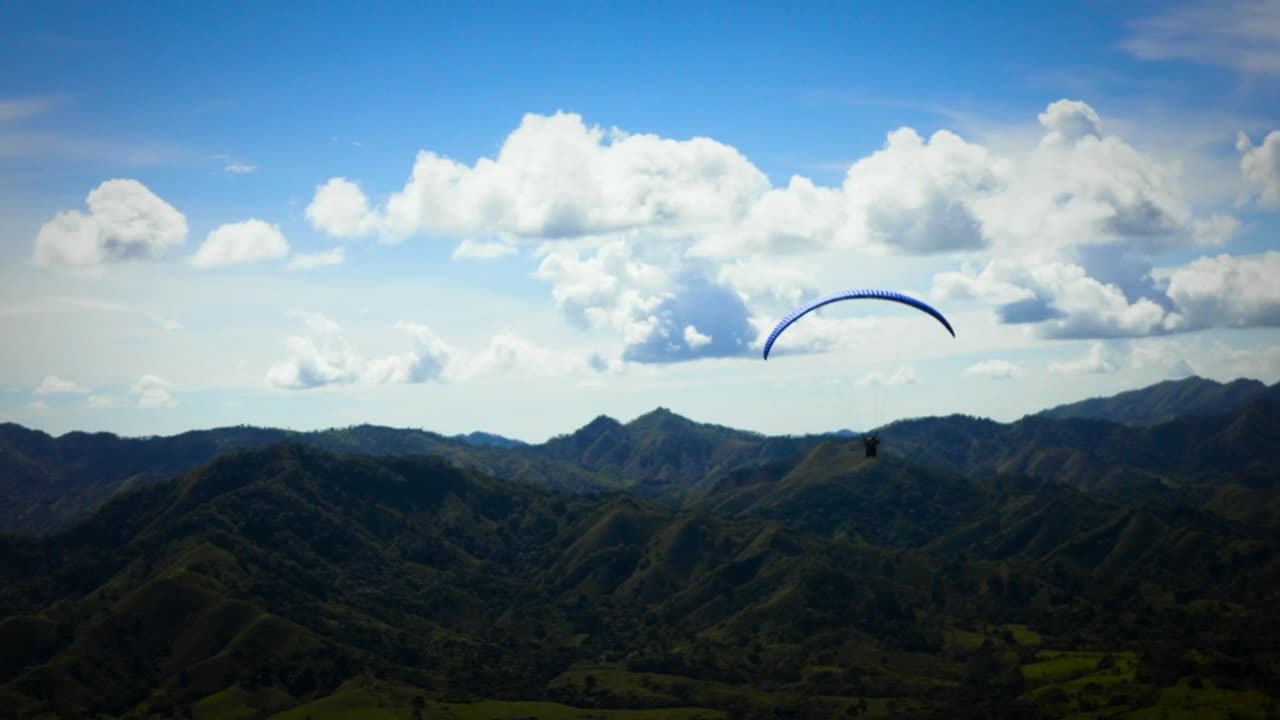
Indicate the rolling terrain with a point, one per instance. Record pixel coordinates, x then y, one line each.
659 568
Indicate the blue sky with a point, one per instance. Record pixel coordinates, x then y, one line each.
417 214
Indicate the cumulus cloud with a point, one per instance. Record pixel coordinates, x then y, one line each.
905 375
1059 299
648 295
1161 353
1099 360
918 197
126 221
994 369
1227 290
52 384
1195 355
642 236
1067 121
249 241
1261 361
695 339
324 358
340 208
556 177
38 405
98 402
311 261
153 392
1261 167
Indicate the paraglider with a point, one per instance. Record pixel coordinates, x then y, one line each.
890 295
870 442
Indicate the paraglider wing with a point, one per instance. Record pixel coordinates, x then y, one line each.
853 295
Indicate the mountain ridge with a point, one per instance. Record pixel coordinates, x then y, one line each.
282 574
47 482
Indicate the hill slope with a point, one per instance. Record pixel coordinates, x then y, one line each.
1194 458
1166 401
273 578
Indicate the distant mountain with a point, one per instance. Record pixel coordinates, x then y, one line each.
1165 401
1191 457
484 439
661 450
287 578
48 483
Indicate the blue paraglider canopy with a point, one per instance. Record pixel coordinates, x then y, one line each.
853 295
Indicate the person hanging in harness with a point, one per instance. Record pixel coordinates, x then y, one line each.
870 442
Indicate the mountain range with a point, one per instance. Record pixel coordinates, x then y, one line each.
1049 567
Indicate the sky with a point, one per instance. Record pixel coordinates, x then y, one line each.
515 217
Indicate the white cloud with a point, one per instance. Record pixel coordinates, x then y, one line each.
1079 189
153 392
1099 360
470 249
1260 361
98 402
52 384
324 358
1261 167
1170 355
231 166
1237 34
341 209
1059 299
1180 357
1067 121
38 405
994 369
311 261
918 197
249 241
126 221
905 375
630 288
555 177
641 236
1227 290
695 339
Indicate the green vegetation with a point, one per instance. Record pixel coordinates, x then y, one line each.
287 581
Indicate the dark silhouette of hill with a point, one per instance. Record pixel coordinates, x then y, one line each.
1196 458
485 439
661 450
1165 401
817 586
48 483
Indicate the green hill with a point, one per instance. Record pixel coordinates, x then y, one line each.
287 579
1194 458
1165 401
